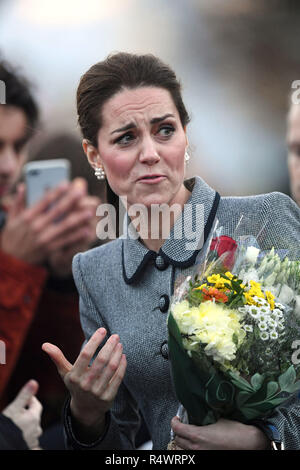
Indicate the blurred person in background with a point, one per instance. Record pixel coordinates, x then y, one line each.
20 421
293 142
38 298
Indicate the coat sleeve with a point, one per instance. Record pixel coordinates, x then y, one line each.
123 420
21 286
280 220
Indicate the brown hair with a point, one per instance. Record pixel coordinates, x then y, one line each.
118 71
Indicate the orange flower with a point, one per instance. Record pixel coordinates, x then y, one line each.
213 293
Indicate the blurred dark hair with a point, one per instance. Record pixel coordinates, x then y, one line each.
18 94
120 71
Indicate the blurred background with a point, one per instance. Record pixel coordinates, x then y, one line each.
236 60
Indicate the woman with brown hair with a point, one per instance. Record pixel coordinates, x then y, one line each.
134 122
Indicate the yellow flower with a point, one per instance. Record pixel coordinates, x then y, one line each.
213 325
254 291
201 287
228 274
218 281
270 298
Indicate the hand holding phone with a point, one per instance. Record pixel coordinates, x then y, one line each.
41 176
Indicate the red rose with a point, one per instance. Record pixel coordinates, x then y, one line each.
223 245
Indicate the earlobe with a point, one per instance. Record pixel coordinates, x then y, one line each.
91 153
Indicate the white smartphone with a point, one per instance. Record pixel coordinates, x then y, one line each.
42 175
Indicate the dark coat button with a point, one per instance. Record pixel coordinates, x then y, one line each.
164 350
160 263
164 303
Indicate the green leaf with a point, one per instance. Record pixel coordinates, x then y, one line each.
272 388
287 378
257 380
241 383
294 387
241 399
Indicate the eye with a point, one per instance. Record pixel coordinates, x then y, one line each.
125 139
19 145
167 130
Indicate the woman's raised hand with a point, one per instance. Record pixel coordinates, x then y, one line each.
92 387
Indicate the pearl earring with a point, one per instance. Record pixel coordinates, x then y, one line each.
186 157
100 173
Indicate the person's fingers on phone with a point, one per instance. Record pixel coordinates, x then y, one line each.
70 241
39 208
77 191
18 204
60 207
88 351
89 202
74 226
80 183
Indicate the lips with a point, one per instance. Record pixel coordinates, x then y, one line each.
150 177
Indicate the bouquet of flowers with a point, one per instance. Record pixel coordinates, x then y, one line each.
234 330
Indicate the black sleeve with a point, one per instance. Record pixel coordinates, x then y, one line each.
11 437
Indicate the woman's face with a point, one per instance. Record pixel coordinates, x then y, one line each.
141 146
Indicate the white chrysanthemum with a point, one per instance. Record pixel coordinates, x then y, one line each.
264 335
263 326
254 311
272 323
248 328
273 334
280 326
243 310
263 318
265 309
277 313
279 306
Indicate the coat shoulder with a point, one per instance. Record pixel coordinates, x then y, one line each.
88 262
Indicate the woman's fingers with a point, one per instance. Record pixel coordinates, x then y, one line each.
103 370
116 380
62 364
88 351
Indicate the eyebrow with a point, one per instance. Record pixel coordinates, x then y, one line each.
131 125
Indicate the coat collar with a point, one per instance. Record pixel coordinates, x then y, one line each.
184 242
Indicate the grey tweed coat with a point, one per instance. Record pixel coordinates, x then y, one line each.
127 288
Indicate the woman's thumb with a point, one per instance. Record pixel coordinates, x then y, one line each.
63 366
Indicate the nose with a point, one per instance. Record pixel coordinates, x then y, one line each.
8 162
148 152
